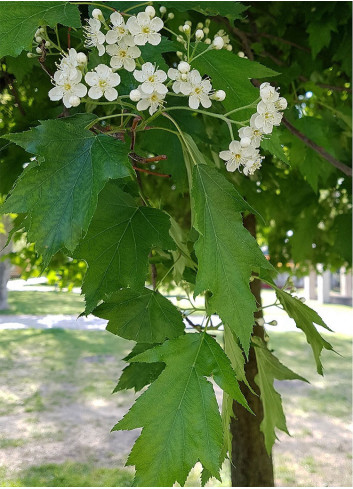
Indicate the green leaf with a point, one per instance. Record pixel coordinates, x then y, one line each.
226 251
236 356
190 427
60 194
320 34
269 369
231 10
137 375
305 318
232 74
144 316
155 52
273 145
118 242
20 20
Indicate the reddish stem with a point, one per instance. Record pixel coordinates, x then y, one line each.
163 175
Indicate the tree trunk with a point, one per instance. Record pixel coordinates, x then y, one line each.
5 265
251 465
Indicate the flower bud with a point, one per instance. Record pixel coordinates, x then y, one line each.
38 50
245 142
208 41
30 55
171 16
207 22
186 28
260 321
302 299
229 47
180 39
74 101
39 39
179 54
273 323
47 44
199 25
183 67
162 10
218 42
219 95
206 30
41 30
81 58
97 14
184 76
199 34
150 11
135 95
188 22
180 28
241 54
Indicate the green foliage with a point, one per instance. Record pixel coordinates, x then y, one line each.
305 318
227 255
144 316
118 242
269 369
19 22
231 10
60 195
188 401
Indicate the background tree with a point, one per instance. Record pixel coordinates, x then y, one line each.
302 192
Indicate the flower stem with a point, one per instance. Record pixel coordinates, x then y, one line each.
94 3
243 108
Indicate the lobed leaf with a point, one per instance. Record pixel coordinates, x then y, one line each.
189 427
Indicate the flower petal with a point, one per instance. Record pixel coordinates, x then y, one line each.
129 64
56 93
225 155
111 37
154 38
194 102
157 24
140 39
111 94
95 93
79 90
91 78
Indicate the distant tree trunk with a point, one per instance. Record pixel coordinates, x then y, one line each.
5 265
251 465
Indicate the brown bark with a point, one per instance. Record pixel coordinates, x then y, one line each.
5 265
251 465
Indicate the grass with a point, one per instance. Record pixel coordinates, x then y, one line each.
42 303
67 475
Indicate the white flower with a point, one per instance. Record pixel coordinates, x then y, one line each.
281 103
119 31
102 82
97 14
267 117
123 55
252 165
200 91
69 64
151 79
184 67
135 95
94 37
151 101
221 33
237 155
181 83
218 42
251 132
144 29
150 11
66 88
199 34
219 95
268 93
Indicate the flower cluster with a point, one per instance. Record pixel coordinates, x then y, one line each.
244 155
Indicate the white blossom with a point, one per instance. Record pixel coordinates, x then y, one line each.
252 165
97 14
218 42
181 83
219 95
123 55
267 116
94 36
200 91
238 156
199 34
221 33
102 82
66 87
144 29
151 101
150 11
151 79
119 31
251 132
70 63
135 95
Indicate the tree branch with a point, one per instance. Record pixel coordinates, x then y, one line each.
318 149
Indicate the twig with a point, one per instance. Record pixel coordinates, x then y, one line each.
145 161
14 92
318 149
164 175
195 326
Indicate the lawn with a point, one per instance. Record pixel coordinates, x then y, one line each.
56 411
42 303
